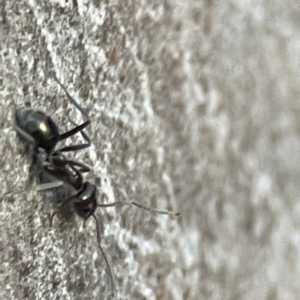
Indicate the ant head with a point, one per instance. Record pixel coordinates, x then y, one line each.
86 202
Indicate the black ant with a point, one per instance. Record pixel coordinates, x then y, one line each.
84 202
40 130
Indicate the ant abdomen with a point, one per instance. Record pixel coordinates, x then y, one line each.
37 128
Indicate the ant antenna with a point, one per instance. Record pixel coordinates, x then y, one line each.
104 256
112 204
156 211
152 210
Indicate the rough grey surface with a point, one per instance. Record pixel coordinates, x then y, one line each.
194 107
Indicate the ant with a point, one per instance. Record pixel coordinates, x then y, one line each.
39 129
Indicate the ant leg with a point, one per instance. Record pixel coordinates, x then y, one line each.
59 162
72 132
49 185
75 130
103 254
72 100
34 167
155 211
152 210
52 216
83 168
84 135
24 134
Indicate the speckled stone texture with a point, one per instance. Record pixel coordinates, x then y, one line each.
194 107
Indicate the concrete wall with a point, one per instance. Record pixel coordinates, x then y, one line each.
194 107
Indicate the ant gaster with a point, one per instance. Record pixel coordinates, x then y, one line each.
40 130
